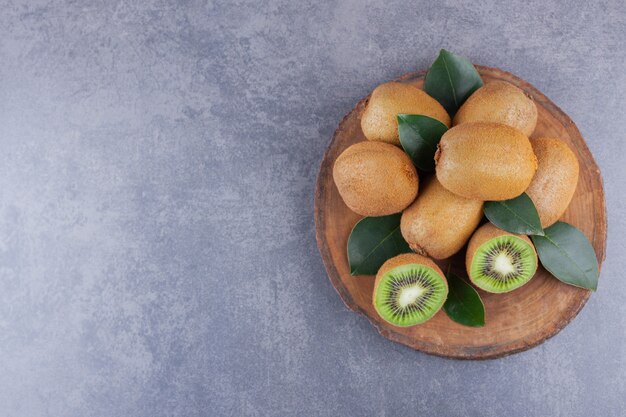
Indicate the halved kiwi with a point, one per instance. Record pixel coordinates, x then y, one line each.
498 261
409 290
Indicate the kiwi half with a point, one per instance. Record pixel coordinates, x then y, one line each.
409 290
498 261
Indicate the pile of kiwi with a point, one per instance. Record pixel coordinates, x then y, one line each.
488 154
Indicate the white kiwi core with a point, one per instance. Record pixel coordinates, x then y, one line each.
409 295
504 264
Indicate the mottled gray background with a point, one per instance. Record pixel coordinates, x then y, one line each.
157 169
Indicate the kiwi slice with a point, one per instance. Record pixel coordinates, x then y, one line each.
407 294
498 261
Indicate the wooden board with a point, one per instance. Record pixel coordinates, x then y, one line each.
516 321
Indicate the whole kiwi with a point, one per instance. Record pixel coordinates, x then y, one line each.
499 102
375 178
554 183
379 120
485 161
498 261
409 289
438 223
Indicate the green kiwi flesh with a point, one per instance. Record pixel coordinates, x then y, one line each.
410 294
503 264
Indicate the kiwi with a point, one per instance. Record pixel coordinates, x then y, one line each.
375 178
438 223
379 120
409 289
498 261
554 183
499 102
485 161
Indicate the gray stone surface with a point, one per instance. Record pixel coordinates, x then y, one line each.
157 168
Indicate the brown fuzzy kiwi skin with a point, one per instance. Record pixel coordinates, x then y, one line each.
554 183
375 178
379 120
483 234
438 223
485 161
499 102
405 259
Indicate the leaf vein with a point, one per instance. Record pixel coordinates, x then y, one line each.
445 65
518 216
566 254
378 245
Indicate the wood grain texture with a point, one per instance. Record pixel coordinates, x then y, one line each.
515 321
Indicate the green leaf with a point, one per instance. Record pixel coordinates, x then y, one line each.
372 241
568 255
419 136
517 215
451 79
464 304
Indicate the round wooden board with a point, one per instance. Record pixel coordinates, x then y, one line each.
515 321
